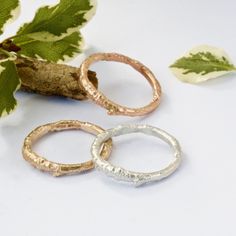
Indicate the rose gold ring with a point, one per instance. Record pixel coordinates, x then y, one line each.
112 107
58 169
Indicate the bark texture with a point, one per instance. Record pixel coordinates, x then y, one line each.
52 79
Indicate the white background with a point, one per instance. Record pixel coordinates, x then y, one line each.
199 199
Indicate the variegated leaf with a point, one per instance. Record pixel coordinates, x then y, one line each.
202 63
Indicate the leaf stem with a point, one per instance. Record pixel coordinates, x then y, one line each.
5 52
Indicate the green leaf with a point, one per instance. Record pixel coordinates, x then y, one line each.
9 83
52 51
8 10
55 22
53 34
202 63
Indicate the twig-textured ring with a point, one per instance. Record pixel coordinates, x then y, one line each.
112 107
55 168
137 178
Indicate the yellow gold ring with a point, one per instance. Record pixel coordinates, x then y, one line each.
58 169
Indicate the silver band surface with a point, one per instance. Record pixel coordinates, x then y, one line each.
138 178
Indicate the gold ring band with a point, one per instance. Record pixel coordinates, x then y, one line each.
58 169
112 107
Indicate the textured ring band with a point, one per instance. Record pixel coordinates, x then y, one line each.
55 168
130 176
112 107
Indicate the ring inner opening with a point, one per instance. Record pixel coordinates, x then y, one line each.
122 84
67 146
140 152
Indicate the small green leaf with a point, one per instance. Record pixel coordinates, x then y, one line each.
202 63
8 10
51 51
9 83
55 22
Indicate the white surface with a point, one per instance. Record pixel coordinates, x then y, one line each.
199 199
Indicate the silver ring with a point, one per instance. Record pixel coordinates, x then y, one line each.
138 178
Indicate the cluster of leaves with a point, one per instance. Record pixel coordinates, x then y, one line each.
202 63
53 35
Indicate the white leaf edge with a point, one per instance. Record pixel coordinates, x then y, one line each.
66 58
4 112
49 37
14 15
195 78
